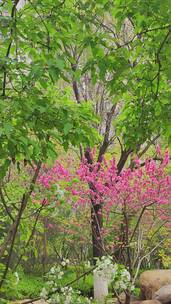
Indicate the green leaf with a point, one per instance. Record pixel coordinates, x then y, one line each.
68 126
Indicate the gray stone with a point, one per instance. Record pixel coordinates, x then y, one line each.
153 280
163 294
146 302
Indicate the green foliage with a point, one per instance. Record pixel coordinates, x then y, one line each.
47 48
37 121
137 292
29 286
35 113
85 285
45 51
9 290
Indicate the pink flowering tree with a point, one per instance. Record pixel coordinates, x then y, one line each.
137 199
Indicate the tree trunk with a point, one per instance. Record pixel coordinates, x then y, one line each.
100 285
128 298
96 226
44 257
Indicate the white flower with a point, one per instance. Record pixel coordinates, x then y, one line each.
115 268
123 285
43 293
52 270
63 263
60 275
117 285
88 264
17 277
50 283
126 274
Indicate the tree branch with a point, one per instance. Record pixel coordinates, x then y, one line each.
13 12
105 143
30 237
5 205
16 224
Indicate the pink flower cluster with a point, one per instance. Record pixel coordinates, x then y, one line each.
49 176
144 186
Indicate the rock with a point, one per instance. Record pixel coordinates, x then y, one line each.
100 288
163 294
115 301
146 302
153 280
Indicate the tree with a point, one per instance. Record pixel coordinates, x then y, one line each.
115 54
35 116
138 197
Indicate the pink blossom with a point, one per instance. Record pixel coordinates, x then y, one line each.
100 183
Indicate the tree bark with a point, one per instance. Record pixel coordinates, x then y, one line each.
44 257
16 224
96 225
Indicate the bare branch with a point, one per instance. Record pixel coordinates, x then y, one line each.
105 143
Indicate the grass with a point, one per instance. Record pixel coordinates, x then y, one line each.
85 285
30 285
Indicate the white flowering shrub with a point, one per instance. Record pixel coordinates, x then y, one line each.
61 295
122 279
105 268
116 274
